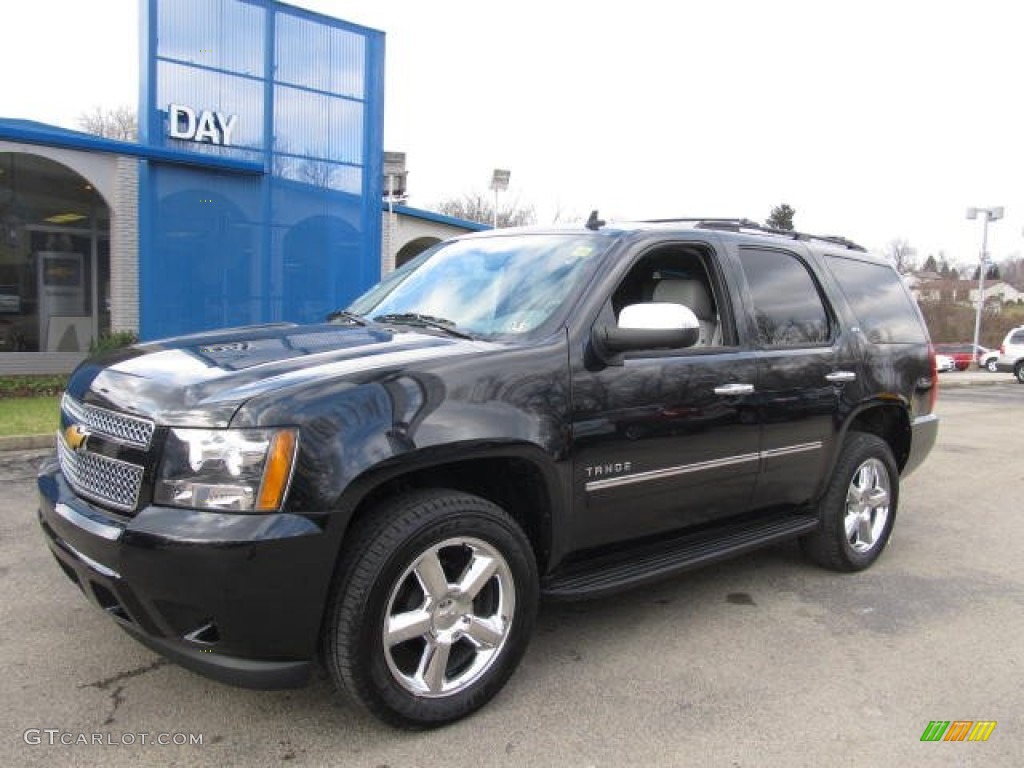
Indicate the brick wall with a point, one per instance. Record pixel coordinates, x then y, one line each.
124 248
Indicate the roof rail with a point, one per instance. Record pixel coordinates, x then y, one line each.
738 225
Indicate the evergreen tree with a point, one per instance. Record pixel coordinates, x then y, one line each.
781 218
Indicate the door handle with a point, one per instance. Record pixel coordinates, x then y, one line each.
841 377
732 390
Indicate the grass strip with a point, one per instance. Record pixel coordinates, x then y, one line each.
29 415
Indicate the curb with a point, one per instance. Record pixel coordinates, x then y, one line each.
26 442
990 379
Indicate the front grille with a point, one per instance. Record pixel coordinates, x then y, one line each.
129 430
109 481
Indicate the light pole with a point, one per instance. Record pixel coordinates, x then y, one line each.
499 183
987 215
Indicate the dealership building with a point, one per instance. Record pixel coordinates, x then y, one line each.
253 195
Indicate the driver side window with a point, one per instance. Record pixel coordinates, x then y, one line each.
677 276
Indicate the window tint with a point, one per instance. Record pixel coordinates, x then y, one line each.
1017 338
884 310
787 306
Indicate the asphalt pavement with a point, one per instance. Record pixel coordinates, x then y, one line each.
763 661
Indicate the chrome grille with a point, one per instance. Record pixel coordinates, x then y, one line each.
101 478
118 426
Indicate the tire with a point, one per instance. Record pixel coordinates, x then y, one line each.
992 366
859 507
434 608
1018 371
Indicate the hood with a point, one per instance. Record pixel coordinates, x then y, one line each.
201 380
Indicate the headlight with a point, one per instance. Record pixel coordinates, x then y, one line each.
238 470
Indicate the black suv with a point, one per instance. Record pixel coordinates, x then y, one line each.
514 414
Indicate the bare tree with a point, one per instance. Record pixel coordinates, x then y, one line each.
316 172
112 123
901 254
1012 271
563 216
477 207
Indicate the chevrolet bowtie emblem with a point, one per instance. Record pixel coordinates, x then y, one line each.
77 437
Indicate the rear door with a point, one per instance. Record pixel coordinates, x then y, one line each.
807 369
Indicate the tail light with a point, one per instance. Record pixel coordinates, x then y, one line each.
933 393
1002 349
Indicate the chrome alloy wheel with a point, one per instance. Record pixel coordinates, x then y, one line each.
867 505
448 617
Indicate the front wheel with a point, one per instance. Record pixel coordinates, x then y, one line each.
859 507
434 609
992 366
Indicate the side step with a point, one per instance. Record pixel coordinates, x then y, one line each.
651 563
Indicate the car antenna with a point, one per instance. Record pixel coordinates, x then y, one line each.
594 223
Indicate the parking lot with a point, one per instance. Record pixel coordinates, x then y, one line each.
764 661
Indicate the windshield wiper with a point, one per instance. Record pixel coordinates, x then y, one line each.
416 320
345 314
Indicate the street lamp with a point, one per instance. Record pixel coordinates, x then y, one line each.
987 215
499 183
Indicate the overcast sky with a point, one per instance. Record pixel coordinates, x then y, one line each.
873 119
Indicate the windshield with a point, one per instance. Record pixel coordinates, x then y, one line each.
496 286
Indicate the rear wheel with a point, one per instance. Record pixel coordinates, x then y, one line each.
859 507
1018 371
434 609
991 365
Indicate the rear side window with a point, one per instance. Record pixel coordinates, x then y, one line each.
788 309
885 312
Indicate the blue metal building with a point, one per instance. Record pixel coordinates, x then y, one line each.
287 227
253 193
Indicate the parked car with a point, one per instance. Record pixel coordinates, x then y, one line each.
988 359
513 414
963 353
944 363
1011 353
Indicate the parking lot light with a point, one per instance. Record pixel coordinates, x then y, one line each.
987 215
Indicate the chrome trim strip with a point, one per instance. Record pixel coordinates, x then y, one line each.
734 390
840 377
77 519
101 569
657 474
791 449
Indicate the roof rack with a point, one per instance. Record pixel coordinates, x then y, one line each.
738 225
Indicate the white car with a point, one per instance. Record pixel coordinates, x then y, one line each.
944 363
1011 353
987 359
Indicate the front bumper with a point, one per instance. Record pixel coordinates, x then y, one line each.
237 598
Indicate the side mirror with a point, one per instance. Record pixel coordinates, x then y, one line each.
647 326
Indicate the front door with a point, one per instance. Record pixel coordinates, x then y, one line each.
667 440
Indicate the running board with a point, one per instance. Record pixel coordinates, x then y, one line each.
608 575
